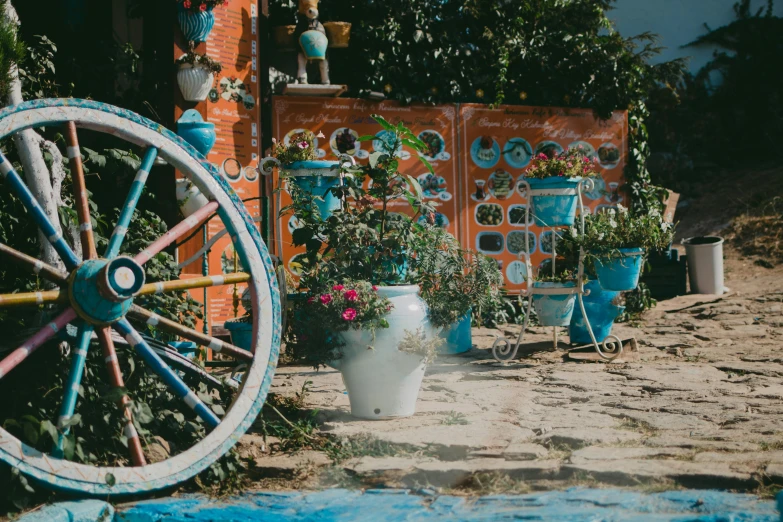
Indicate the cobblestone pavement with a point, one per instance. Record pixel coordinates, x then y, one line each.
702 407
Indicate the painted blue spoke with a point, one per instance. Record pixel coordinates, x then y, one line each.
54 237
171 379
118 236
72 386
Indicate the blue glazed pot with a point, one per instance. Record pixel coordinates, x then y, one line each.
192 128
553 211
620 273
600 312
195 25
457 337
315 183
554 310
314 44
241 334
185 348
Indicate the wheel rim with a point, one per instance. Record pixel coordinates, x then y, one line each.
73 476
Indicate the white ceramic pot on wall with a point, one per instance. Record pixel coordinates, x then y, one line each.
189 198
194 82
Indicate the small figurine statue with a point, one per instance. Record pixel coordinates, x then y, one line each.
311 35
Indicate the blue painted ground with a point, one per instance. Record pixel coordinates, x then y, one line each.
576 504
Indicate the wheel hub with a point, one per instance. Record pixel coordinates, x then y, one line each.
101 291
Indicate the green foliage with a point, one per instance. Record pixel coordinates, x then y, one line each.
200 60
300 148
636 302
571 163
12 52
37 70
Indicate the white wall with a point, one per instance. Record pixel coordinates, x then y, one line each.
678 22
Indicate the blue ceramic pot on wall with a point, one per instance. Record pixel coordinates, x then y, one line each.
195 25
314 44
600 312
553 210
620 273
554 310
457 337
316 178
192 128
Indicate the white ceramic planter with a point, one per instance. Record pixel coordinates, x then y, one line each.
384 382
189 198
194 82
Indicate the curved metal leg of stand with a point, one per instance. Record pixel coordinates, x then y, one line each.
505 353
611 349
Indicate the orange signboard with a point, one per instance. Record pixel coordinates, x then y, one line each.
343 120
233 106
496 146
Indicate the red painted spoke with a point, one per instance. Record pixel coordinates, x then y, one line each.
31 345
80 192
36 265
177 232
115 376
216 345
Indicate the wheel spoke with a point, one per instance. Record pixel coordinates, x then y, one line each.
215 345
137 187
115 376
53 235
32 298
30 345
196 282
80 192
68 405
171 379
176 232
36 265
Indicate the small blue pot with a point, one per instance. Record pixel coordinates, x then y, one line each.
457 337
195 25
553 211
554 310
192 128
185 348
314 44
316 184
241 334
600 312
620 273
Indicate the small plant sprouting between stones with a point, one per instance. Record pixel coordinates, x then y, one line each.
455 418
416 343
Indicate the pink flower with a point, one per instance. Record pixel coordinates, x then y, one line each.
186 4
311 300
541 156
326 299
203 7
302 145
337 288
374 288
351 295
349 314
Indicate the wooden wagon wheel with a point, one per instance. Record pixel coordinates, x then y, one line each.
97 294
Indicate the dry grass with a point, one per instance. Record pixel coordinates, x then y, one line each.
759 232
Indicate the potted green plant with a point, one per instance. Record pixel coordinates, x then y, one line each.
301 169
616 241
548 176
555 305
454 282
196 18
195 75
365 241
241 328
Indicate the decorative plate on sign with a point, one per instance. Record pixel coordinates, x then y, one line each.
516 273
383 142
550 148
485 152
608 155
585 147
436 146
346 141
517 153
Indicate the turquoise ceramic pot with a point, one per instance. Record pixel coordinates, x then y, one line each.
185 348
457 337
317 178
600 312
620 273
554 310
314 44
554 210
195 25
192 128
241 334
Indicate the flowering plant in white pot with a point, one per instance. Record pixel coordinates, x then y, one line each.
196 75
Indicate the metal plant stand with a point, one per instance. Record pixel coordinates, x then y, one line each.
612 347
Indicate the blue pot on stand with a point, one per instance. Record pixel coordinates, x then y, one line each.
316 178
620 273
554 310
241 333
457 338
195 25
192 128
314 44
187 349
556 210
600 312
